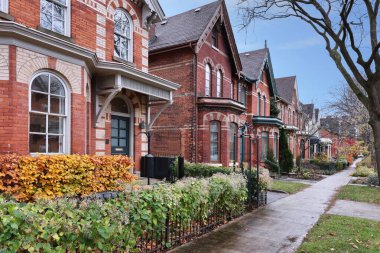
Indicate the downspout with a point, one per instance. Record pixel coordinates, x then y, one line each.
195 112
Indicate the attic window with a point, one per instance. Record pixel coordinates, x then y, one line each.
197 9
214 38
164 22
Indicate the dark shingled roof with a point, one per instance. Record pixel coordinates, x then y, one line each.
253 62
183 28
308 110
285 87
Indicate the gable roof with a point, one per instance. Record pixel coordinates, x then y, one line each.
254 62
183 28
193 27
285 87
308 110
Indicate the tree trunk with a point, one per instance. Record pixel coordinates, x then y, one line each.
375 124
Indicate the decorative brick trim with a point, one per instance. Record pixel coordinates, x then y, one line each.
4 62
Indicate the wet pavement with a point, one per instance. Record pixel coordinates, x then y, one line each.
274 196
356 209
280 227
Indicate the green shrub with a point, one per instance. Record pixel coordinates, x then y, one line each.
203 170
272 163
285 156
69 225
362 171
373 180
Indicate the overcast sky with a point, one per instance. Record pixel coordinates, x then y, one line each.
295 49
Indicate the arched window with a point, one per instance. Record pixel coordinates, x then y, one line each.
123 35
258 104
48 124
208 80
214 141
219 80
264 106
289 116
233 139
294 119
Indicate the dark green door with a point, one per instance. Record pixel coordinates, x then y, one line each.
120 135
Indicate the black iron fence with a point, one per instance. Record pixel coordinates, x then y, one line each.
176 232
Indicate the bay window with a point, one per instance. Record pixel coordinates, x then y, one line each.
55 16
48 115
264 145
233 138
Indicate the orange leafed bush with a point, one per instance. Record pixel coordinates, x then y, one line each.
29 178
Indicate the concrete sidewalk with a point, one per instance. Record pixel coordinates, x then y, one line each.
279 227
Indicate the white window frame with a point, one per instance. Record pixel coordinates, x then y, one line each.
4 6
67 18
208 80
131 25
67 123
219 81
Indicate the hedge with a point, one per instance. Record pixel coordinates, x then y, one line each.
204 170
117 225
29 178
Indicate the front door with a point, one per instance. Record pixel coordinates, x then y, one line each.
120 135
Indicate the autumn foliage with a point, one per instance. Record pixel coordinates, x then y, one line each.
29 178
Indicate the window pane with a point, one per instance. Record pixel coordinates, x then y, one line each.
55 144
117 44
56 125
57 105
123 142
37 143
39 102
37 123
115 123
123 48
46 14
117 20
123 124
56 87
58 26
58 12
115 142
114 133
123 134
41 83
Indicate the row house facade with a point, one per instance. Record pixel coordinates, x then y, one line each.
74 76
291 114
218 98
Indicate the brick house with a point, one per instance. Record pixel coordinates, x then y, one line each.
291 115
260 89
74 76
312 127
197 50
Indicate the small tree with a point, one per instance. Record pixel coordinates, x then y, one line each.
274 111
286 156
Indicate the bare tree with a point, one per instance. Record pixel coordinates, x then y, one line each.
350 31
350 112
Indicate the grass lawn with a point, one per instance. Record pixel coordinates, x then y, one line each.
360 193
335 233
289 187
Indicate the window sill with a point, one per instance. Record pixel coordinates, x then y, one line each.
55 34
118 59
6 16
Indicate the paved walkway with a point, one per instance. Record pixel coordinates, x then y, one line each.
356 209
280 227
